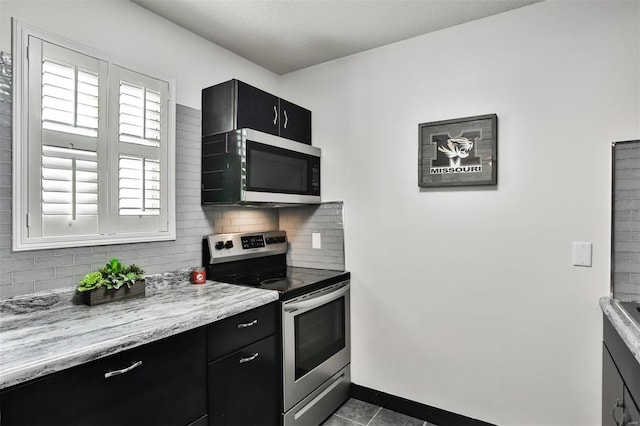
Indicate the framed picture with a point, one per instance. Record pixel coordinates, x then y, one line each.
458 152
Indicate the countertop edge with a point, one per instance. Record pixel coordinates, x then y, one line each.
626 327
62 361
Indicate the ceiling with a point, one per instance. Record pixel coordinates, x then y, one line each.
288 35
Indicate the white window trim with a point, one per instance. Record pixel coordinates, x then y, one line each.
21 241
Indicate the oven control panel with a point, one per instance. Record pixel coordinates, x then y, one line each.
259 241
239 246
252 241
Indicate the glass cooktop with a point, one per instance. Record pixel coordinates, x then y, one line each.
290 281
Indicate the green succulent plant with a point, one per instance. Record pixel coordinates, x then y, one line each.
111 276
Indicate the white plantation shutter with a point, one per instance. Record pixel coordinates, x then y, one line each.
139 186
66 142
69 191
140 115
142 196
69 182
93 148
69 98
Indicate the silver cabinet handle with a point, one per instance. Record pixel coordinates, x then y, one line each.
286 119
248 324
251 358
275 115
123 371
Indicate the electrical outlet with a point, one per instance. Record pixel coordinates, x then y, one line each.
316 240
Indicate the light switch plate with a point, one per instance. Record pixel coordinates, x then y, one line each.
582 253
316 240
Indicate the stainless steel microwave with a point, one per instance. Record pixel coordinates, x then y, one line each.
248 167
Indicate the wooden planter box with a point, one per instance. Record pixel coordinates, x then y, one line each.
103 295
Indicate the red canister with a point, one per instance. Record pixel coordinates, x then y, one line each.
198 276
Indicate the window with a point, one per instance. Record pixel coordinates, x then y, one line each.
94 141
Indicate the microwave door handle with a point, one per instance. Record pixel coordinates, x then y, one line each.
316 301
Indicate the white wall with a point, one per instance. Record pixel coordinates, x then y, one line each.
130 32
465 299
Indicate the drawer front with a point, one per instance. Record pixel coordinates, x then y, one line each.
231 334
243 386
159 383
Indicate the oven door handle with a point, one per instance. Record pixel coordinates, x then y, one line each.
316 301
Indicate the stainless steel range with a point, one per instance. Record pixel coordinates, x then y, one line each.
315 319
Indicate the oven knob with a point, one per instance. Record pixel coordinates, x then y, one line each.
228 244
219 245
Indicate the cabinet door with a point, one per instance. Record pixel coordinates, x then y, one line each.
219 108
257 109
632 412
160 383
295 122
243 387
612 391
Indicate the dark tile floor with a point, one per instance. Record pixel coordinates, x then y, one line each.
358 413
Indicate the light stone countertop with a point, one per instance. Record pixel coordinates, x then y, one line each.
43 333
626 327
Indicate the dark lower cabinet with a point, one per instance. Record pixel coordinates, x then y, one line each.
620 381
612 391
243 386
632 416
243 369
176 381
161 383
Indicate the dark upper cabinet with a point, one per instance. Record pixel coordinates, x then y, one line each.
159 383
235 105
295 122
255 109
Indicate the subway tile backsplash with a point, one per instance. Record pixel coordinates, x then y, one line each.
324 219
626 216
38 270
228 220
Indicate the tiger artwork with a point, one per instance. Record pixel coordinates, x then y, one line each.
456 149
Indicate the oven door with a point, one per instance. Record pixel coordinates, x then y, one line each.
316 340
